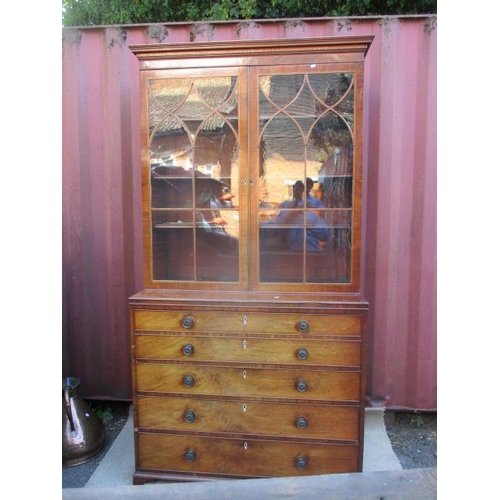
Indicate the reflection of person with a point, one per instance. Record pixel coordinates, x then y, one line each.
316 230
320 192
310 199
222 201
214 234
215 196
297 197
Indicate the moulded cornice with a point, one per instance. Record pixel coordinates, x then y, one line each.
252 48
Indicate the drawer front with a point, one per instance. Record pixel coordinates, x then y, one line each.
222 321
248 349
288 420
245 382
244 458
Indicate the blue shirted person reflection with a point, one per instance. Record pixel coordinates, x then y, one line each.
316 229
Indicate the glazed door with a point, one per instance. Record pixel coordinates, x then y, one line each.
197 149
252 177
305 214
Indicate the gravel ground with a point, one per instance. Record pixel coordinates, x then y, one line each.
413 437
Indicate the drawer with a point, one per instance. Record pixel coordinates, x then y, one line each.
243 458
248 349
188 379
208 415
222 321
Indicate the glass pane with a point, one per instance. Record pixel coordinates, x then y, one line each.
305 178
281 90
171 187
335 261
194 167
281 246
172 245
346 108
330 88
169 93
218 93
217 246
334 176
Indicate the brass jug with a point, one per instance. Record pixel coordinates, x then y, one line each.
83 433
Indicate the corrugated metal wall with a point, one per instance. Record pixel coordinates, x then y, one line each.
102 253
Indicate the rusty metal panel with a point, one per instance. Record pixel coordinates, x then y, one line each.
102 249
101 209
400 216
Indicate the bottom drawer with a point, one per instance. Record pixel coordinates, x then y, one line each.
242 458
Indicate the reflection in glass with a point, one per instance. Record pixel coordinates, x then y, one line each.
330 88
305 184
194 178
172 241
171 187
216 247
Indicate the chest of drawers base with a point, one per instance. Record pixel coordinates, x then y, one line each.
246 389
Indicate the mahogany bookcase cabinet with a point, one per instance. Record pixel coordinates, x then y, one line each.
248 341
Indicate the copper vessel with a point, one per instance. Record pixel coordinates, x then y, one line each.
83 433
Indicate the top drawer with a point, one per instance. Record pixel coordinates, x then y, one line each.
222 321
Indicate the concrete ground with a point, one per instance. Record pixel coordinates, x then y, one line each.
382 472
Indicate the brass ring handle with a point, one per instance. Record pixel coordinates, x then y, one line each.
188 380
302 353
301 422
303 326
301 385
190 455
188 350
301 462
187 322
189 416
